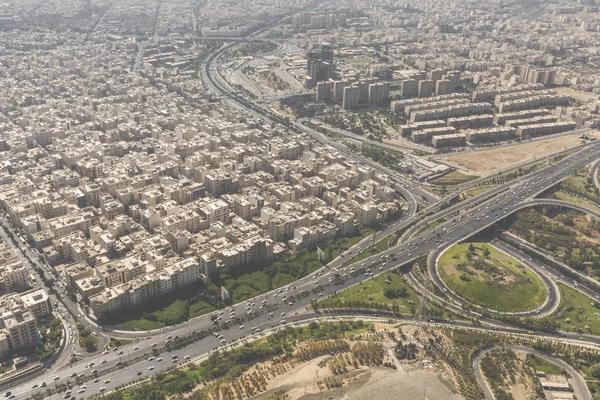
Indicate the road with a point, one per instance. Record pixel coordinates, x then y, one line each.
593 174
577 382
407 151
215 82
469 218
473 221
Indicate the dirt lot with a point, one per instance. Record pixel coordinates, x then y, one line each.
578 95
487 162
407 381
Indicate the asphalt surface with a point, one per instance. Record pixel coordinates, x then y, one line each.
467 219
473 220
580 388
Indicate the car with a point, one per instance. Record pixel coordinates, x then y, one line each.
169 337
174 361
34 385
136 348
73 375
96 380
223 341
241 326
153 345
118 362
94 371
121 353
169 341
107 381
56 378
81 390
102 389
282 314
150 358
187 357
150 368
103 362
159 359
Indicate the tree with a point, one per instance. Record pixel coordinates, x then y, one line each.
486 252
471 248
595 370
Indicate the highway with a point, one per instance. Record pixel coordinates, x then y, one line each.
217 84
593 174
463 220
472 220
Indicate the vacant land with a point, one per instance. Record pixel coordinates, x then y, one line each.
487 162
487 277
453 178
577 312
578 95
359 60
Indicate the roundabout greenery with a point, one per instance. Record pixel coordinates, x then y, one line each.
487 277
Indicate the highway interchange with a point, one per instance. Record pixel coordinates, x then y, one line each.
462 220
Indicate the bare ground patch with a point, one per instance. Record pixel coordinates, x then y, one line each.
450 270
487 162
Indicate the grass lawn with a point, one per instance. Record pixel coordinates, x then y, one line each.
200 308
429 227
116 342
476 191
140 324
495 281
578 184
575 200
453 178
371 292
371 250
541 364
174 310
576 311
243 283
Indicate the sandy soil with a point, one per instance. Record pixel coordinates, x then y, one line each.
487 162
450 270
301 380
578 95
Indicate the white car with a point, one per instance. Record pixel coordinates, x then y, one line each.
150 368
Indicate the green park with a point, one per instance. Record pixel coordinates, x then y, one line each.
485 276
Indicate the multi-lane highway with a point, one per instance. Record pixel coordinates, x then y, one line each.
468 221
461 221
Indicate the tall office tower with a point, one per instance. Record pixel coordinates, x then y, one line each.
320 65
